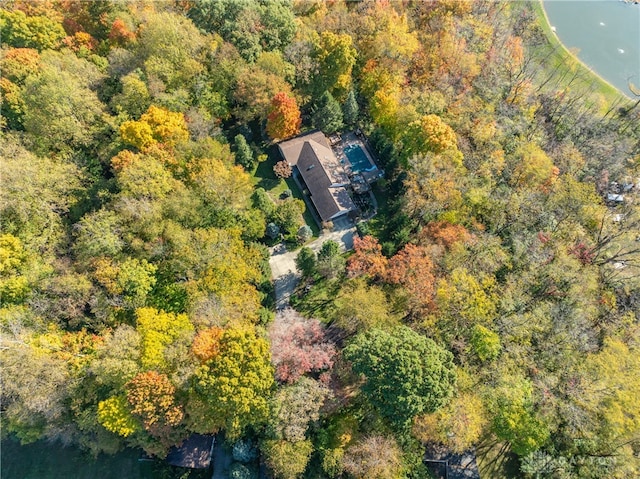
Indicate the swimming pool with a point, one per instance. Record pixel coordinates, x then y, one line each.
358 158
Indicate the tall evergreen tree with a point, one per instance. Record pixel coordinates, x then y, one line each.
350 109
244 155
328 114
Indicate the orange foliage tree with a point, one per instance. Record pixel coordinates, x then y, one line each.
444 233
206 344
412 269
284 119
152 398
367 258
120 35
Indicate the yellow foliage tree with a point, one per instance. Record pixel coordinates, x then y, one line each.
224 187
137 133
156 125
466 300
533 167
458 425
610 392
430 133
157 330
233 388
168 127
115 416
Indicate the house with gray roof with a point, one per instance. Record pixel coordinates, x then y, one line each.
323 175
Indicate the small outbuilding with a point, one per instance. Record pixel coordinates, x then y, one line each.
445 464
195 452
615 198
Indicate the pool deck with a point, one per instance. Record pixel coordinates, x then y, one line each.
352 139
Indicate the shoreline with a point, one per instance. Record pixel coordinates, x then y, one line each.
552 36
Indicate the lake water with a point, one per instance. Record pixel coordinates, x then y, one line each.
41 460
605 35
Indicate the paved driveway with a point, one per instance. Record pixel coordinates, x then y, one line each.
283 262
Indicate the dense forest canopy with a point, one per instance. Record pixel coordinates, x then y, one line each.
493 303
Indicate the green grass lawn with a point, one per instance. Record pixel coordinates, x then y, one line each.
318 301
559 57
264 177
378 224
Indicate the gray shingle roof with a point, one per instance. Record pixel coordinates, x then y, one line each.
194 452
322 173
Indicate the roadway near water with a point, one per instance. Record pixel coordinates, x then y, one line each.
604 35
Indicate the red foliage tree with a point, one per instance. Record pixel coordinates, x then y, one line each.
367 258
298 346
412 268
284 119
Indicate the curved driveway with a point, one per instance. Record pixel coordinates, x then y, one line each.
283 262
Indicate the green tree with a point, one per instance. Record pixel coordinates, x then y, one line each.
609 385
328 114
262 201
244 155
98 234
61 111
330 261
131 280
36 385
288 215
36 192
287 460
22 31
134 99
233 388
306 262
170 49
459 425
406 374
359 307
514 417
464 300
251 25
350 109
485 343
336 57
117 357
